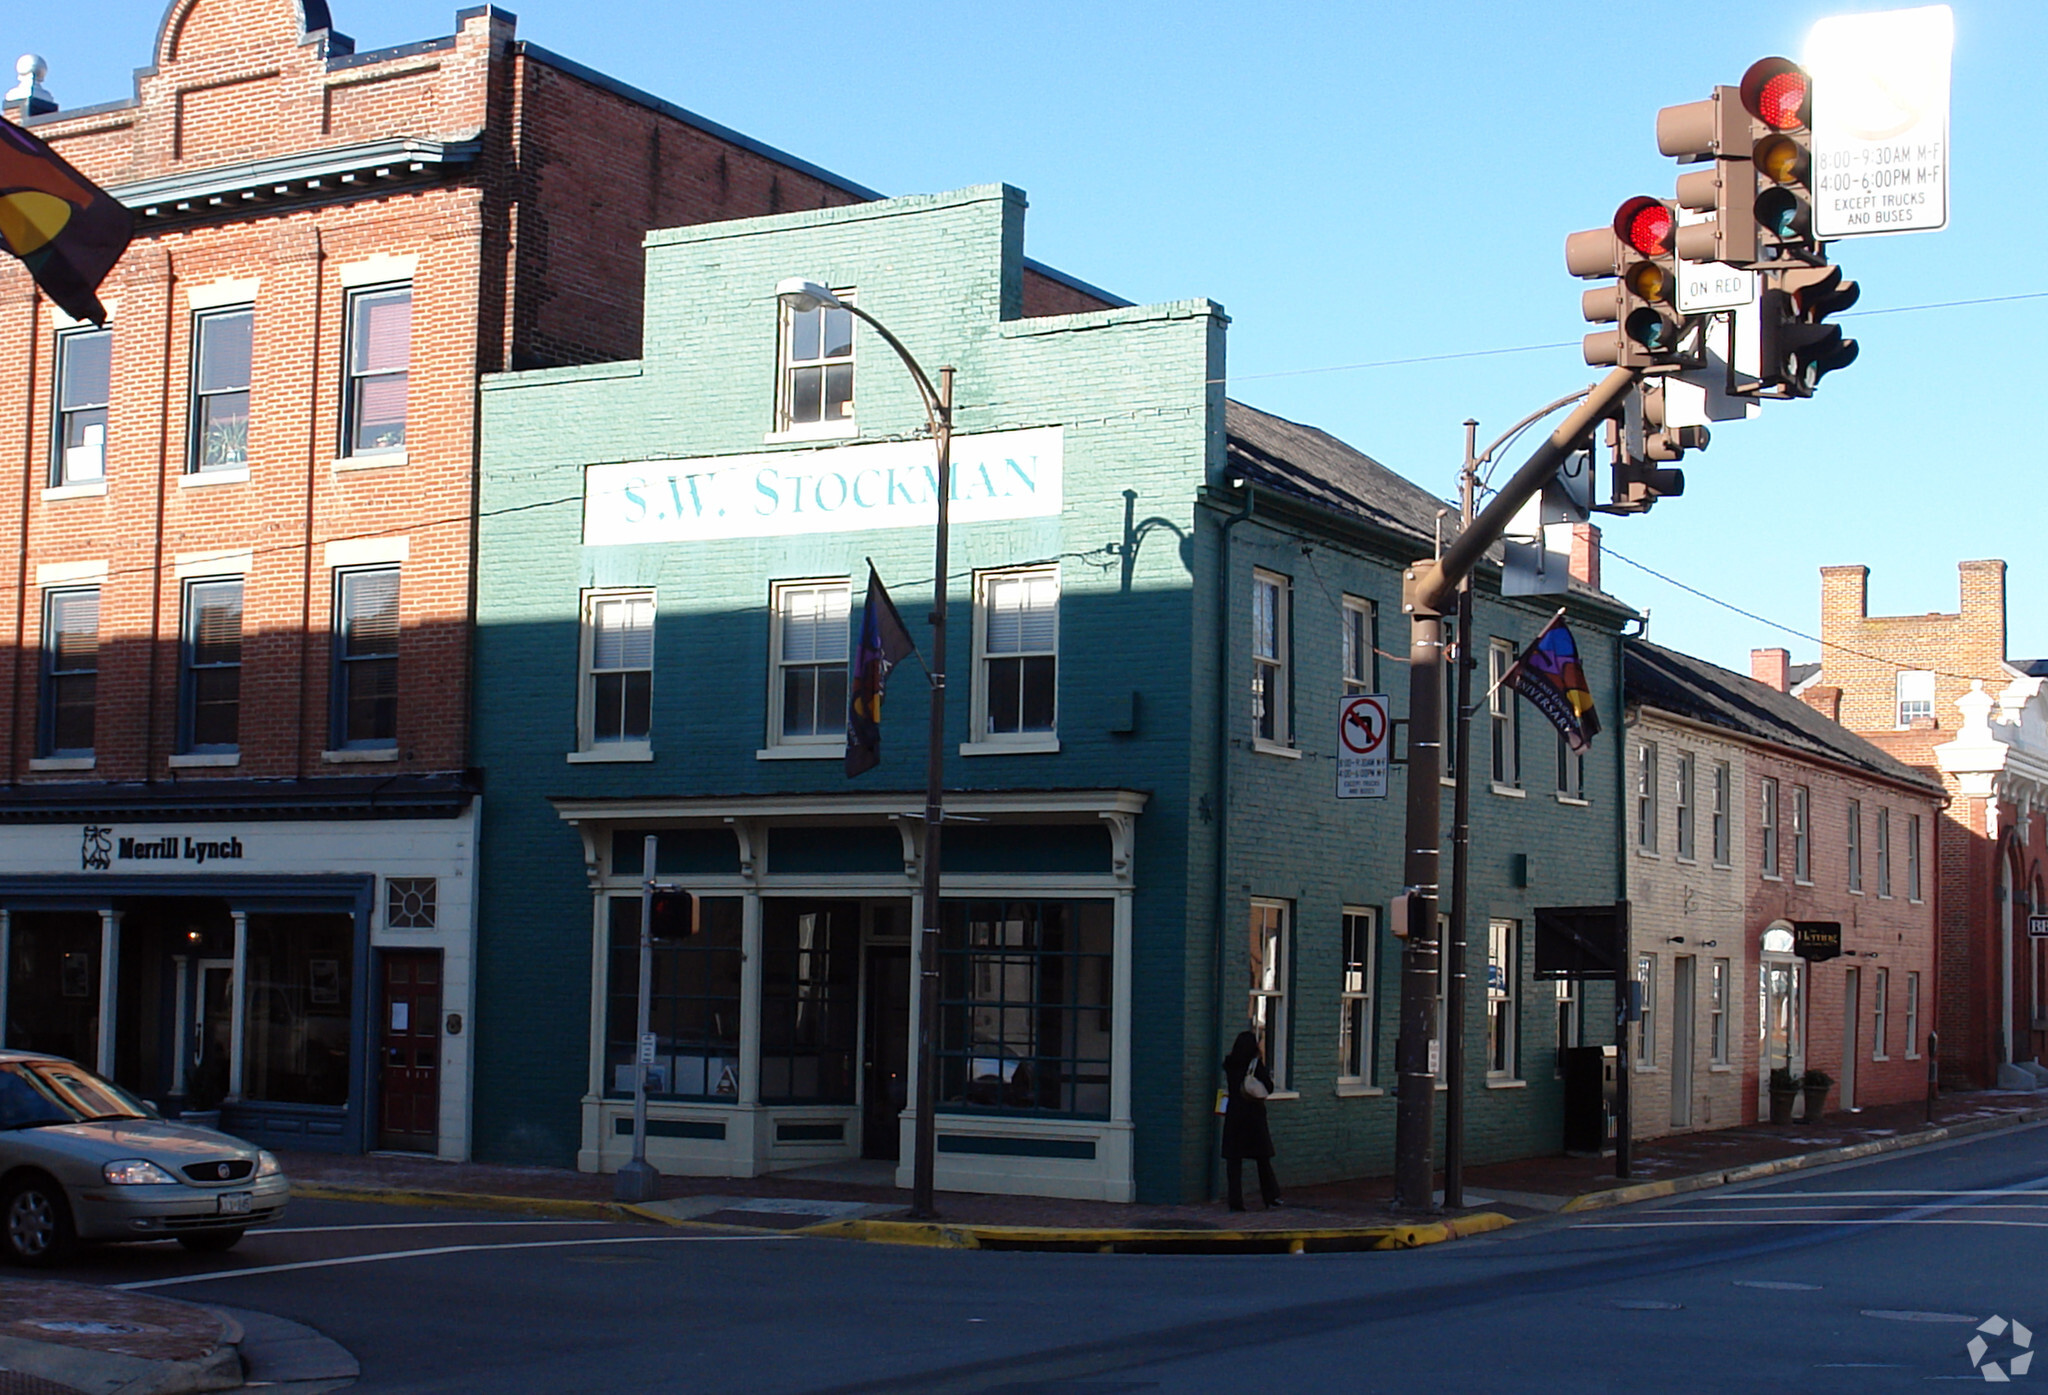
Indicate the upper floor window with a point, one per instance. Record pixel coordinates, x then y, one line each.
1361 646
85 360
71 666
1017 639
379 360
1802 834
1855 848
1571 770
1767 828
1646 797
1916 695
817 368
1724 786
366 659
810 648
1913 857
210 696
1271 662
1683 793
1884 852
223 345
618 669
1501 714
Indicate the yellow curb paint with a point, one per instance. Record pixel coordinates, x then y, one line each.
1107 1241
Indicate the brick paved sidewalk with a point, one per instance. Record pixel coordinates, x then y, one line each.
57 1336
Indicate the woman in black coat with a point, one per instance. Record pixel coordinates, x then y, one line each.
1244 1122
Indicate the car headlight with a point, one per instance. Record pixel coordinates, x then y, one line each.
135 1172
267 1164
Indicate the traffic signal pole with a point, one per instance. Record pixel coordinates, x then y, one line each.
1429 588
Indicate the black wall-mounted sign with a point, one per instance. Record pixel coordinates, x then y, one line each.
1581 943
1815 940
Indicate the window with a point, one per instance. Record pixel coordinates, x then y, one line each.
366 659
618 668
1646 1025
1568 1019
301 975
1270 624
222 346
1571 771
817 367
1724 787
1880 1017
379 357
71 665
1501 712
85 360
1017 634
1355 998
1646 798
210 693
1912 1016
1717 1011
1503 972
1916 695
693 1011
1767 828
1913 857
807 706
1267 1010
1802 828
409 903
1855 845
810 1000
1884 853
1684 811
1024 1006
1361 646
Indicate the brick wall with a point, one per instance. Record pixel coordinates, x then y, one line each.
1862 653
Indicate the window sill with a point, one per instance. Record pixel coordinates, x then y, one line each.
368 755
1358 1090
1511 791
1723 866
61 763
1033 746
1505 1083
85 489
1880 1059
1646 1070
1802 881
1575 801
1913 1056
201 479
1855 891
822 751
1653 856
1770 876
621 754
1273 748
1283 1095
377 460
194 759
1719 1067
820 431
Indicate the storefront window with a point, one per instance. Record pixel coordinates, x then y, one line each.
1024 1011
694 1012
301 980
53 984
810 1005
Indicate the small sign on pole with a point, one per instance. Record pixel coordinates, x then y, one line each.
1880 121
1363 726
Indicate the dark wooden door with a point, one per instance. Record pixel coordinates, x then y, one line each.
411 1075
886 1052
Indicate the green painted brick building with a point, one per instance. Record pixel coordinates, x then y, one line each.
1159 599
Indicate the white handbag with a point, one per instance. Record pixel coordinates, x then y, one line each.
1253 1087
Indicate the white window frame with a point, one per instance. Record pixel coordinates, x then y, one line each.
1571 773
1646 1026
1647 832
198 397
1914 693
786 366
353 382
1361 645
1503 1005
1884 854
1570 1006
1357 996
1721 992
1684 810
1269 924
1272 677
1913 888
1724 803
588 747
985 741
1853 845
1913 1015
1770 863
1503 727
1880 1015
1802 835
822 745
85 464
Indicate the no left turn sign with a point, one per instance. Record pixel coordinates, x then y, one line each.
1364 726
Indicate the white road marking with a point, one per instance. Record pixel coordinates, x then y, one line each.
1782 1285
1862 1206
1845 1221
1993 1191
409 1225
444 1250
1895 1315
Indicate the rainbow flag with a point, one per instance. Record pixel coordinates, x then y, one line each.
66 229
1548 674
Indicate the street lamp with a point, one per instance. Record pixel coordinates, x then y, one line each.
802 296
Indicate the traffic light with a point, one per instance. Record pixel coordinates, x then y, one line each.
672 915
1643 447
1779 94
1721 132
1797 346
1639 250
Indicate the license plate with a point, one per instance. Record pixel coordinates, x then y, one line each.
236 1203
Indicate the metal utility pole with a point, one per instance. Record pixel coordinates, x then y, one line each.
1428 589
1461 846
924 1159
635 1180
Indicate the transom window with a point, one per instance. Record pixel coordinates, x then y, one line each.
817 367
618 684
223 344
84 377
1270 624
810 647
1018 634
378 377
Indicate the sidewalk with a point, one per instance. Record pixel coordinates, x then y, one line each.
58 1337
860 1201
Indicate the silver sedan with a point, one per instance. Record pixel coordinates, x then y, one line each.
80 1159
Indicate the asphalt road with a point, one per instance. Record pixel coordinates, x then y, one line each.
1866 1277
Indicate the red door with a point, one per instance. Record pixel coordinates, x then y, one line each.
411 1089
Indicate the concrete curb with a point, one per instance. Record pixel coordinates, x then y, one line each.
560 1208
1797 1162
1092 1240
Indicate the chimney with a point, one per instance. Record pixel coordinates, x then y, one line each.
28 97
1772 668
1585 565
1824 700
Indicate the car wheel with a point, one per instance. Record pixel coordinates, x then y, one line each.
35 1223
211 1242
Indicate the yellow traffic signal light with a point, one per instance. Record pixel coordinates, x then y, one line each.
1779 95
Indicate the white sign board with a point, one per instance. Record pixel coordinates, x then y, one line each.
1364 732
889 484
1704 286
1880 121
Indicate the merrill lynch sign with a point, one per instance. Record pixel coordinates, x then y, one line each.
890 484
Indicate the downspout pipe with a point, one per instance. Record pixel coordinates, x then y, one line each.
1224 668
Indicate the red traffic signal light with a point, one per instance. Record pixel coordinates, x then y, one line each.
1778 94
1647 226
1638 249
672 915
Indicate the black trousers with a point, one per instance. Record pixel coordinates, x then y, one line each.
1269 1185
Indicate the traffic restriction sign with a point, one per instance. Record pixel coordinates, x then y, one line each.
1364 730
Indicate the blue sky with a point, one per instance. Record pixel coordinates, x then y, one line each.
1364 182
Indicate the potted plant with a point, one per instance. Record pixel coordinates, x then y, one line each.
1816 1084
1784 1093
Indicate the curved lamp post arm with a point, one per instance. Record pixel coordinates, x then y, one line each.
935 412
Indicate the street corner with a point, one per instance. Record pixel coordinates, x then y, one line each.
79 1337
1160 1241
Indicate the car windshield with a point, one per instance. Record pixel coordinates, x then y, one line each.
33 1093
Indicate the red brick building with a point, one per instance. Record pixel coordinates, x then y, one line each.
241 819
